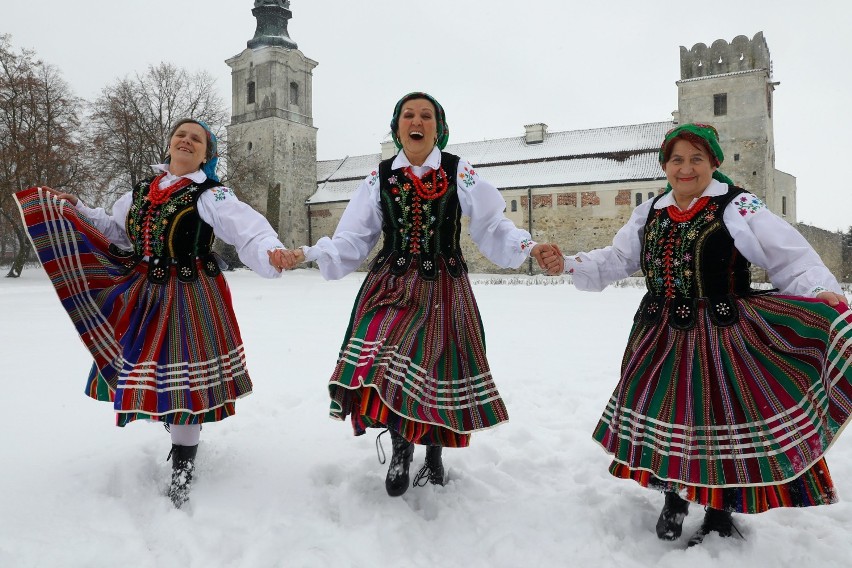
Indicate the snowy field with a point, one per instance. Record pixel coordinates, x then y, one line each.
282 485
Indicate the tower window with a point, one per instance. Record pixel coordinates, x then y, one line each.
514 205
736 157
783 204
250 93
249 146
638 199
294 93
720 104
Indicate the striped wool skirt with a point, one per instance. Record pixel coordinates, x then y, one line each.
168 352
413 359
735 416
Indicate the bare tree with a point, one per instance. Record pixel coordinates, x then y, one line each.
131 118
40 138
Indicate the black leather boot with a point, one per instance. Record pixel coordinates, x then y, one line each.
183 464
714 521
433 470
670 523
397 479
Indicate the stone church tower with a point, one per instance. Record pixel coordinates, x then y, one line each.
271 139
730 86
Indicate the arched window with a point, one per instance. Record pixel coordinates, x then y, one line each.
294 93
514 205
638 199
250 93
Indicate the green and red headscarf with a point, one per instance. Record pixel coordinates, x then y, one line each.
443 131
703 135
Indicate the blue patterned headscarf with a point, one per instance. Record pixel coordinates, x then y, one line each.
443 131
209 166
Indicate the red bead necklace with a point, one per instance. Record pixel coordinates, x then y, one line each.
158 196
679 216
436 189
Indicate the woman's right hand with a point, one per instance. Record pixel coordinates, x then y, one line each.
69 197
66 196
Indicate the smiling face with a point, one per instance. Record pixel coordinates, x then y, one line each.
689 170
417 130
187 148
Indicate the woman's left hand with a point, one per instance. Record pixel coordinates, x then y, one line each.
549 258
832 298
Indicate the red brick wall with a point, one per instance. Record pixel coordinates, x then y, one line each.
567 199
590 198
623 197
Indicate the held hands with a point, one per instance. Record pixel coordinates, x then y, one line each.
549 258
832 298
285 259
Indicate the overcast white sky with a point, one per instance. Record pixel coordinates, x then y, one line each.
495 65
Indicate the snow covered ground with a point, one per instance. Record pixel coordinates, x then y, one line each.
281 484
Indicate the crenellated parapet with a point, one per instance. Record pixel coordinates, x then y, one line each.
741 54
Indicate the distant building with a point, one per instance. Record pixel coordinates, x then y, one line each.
575 188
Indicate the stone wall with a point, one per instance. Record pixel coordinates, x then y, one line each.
830 247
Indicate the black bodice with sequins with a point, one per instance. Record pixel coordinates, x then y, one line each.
172 235
420 233
690 256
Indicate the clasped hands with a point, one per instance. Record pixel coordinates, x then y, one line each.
285 259
549 258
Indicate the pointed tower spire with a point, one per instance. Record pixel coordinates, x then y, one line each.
272 17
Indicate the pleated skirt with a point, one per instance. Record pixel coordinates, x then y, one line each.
413 359
737 416
168 352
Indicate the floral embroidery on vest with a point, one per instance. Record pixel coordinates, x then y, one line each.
417 220
151 235
669 251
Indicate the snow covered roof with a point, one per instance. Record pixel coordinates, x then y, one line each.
598 155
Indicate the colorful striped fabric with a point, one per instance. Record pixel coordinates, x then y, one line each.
170 352
754 404
814 487
414 359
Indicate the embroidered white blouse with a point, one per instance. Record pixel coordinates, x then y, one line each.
360 225
233 221
762 237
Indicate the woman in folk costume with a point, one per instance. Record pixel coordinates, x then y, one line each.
728 397
413 358
147 295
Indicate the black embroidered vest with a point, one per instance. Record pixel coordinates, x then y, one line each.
418 231
176 234
691 255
